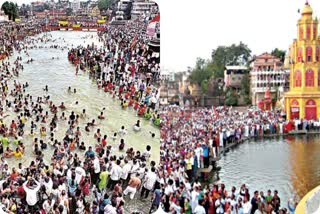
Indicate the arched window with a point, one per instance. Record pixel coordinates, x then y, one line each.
299 55
309 54
318 54
297 79
309 78
311 103
319 78
300 33
308 32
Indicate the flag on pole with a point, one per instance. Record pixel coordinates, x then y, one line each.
151 29
134 42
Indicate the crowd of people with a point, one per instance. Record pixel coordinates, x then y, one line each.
124 67
12 32
78 177
191 138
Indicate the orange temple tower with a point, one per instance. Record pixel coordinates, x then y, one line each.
303 99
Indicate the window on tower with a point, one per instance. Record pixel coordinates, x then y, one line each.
318 54
300 33
299 55
297 79
309 78
319 78
309 54
308 32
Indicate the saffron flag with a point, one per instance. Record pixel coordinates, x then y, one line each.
134 42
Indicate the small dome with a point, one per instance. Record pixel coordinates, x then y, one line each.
307 10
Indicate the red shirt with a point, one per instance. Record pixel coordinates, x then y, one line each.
13 126
104 142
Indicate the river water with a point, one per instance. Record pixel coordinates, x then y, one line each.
59 74
290 165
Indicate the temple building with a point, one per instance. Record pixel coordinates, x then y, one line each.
268 73
303 99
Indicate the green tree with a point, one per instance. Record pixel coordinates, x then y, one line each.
245 88
231 98
11 10
69 11
229 55
104 4
281 54
221 57
204 86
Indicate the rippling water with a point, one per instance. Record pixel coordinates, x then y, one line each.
59 74
290 165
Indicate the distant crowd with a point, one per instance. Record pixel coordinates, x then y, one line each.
192 138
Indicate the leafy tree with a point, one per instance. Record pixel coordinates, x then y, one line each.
204 86
281 54
69 11
245 88
231 98
201 72
229 55
11 10
104 4
220 58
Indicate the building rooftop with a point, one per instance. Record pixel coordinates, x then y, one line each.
236 67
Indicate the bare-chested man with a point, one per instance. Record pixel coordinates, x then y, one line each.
133 185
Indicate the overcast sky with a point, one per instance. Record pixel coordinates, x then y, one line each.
191 29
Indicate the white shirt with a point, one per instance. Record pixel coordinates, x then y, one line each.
109 209
46 206
194 200
199 210
125 171
247 207
96 165
79 173
31 193
151 178
168 190
115 172
48 186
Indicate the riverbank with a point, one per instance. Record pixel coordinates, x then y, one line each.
233 145
58 76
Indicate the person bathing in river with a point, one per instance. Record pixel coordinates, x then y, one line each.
122 131
97 134
62 106
87 128
101 116
83 114
121 145
92 123
137 126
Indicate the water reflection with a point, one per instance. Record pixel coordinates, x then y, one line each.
291 165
